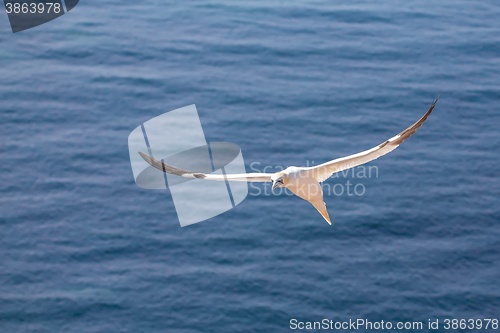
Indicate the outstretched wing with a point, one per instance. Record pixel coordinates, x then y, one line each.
324 171
241 177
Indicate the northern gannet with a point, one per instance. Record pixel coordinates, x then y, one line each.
302 181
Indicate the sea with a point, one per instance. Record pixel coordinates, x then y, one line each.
84 249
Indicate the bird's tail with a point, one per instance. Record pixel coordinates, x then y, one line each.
322 210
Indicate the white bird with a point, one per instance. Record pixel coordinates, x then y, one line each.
302 181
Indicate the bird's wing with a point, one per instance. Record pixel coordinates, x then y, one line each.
324 171
241 177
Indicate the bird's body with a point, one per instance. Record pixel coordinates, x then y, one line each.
304 182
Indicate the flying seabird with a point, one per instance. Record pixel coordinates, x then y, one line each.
302 181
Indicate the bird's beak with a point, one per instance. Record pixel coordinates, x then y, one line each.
277 183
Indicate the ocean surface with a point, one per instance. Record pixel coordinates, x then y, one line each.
84 249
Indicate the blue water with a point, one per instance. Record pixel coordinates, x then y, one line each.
83 249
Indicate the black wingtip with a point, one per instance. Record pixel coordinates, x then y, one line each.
146 157
435 101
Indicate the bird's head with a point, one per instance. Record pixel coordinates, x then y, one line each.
279 180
